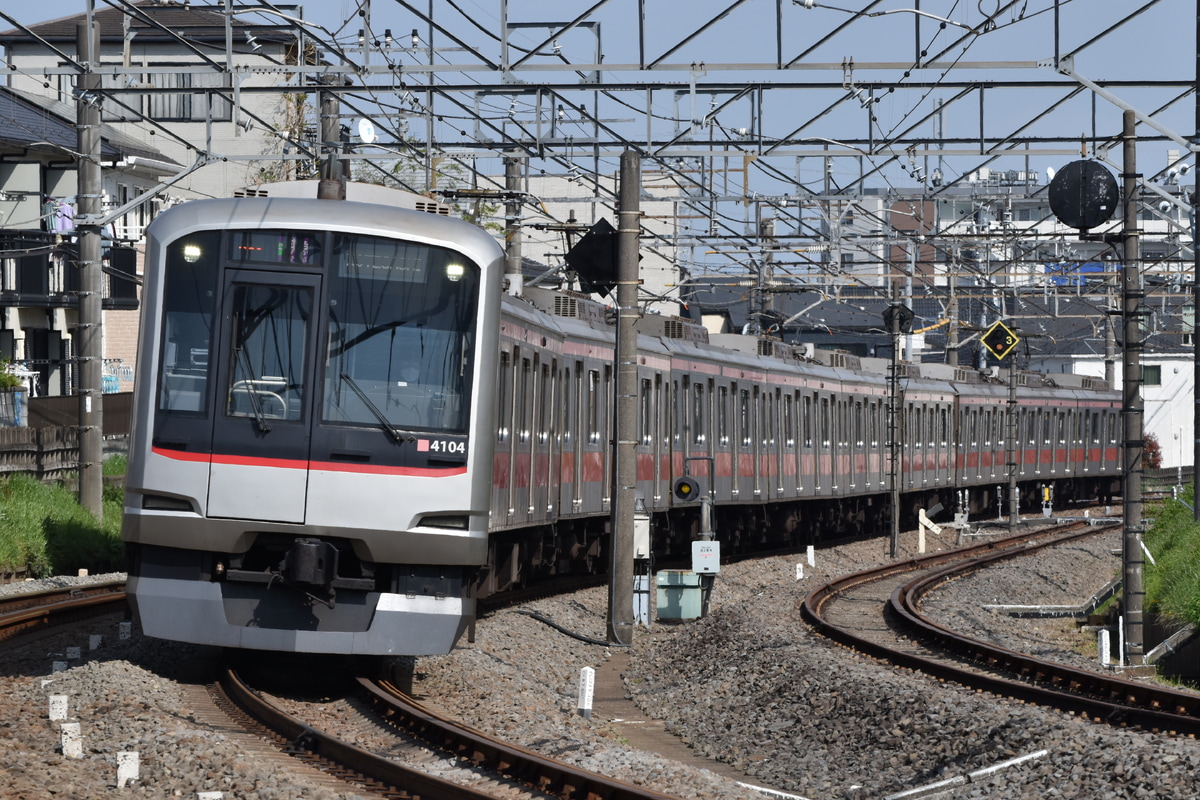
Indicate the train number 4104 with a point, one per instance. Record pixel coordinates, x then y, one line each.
441 446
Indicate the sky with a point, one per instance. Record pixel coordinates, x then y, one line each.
1159 44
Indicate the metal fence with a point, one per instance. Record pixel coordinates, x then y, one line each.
64 411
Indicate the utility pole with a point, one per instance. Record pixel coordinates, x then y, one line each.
91 326
513 272
332 185
1131 407
620 590
1196 300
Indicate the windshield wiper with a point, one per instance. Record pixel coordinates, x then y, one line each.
384 422
260 418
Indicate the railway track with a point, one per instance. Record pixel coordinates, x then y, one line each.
25 613
878 612
506 770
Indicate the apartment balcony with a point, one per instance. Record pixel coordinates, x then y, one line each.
40 269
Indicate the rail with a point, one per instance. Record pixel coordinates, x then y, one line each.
984 666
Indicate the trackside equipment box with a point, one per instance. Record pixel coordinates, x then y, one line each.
679 594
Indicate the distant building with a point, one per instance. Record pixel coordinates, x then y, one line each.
155 129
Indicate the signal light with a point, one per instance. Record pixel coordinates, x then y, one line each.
686 488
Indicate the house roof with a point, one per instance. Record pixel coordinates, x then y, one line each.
33 122
152 20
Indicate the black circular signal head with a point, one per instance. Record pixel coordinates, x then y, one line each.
686 488
1083 194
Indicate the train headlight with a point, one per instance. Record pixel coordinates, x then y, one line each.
686 488
191 253
454 272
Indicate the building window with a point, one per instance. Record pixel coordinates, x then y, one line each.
1152 375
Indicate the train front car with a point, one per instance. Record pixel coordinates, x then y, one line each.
311 458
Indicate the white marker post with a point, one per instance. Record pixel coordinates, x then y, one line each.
72 740
587 688
812 556
127 768
58 707
800 571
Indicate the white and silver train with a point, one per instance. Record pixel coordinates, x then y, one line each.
345 432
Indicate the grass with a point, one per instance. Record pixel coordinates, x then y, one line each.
1172 584
44 530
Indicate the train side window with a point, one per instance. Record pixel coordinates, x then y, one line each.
189 304
806 421
683 422
744 416
945 426
698 427
647 413
873 420
505 404
723 415
858 425
825 423
522 405
546 396
772 423
593 406
789 421
567 387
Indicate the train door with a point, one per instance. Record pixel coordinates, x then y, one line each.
267 369
502 460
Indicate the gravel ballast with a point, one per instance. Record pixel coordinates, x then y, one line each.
749 684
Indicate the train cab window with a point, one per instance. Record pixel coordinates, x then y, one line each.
646 412
267 341
189 304
401 338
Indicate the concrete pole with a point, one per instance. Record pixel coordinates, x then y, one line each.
90 334
1013 445
513 273
1131 407
1196 300
332 185
620 590
893 423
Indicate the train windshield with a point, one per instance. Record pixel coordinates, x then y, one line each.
400 345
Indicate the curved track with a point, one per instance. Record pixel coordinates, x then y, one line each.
511 765
878 612
25 613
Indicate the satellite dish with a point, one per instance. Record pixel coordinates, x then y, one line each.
1049 173
366 131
